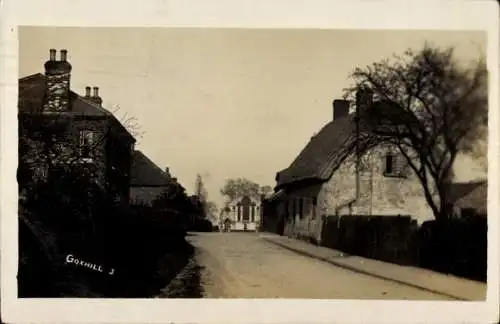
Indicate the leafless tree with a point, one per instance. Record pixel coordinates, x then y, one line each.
129 122
431 108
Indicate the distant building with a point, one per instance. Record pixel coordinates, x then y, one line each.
147 181
324 178
89 135
241 215
469 198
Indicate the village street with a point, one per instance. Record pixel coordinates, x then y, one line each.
246 265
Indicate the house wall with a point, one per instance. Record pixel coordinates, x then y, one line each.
305 223
111 159
99 129
386 195
379 195
119 161
65 149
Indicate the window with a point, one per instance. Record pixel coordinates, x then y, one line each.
395 165
314 203
86 144
388 163
301 208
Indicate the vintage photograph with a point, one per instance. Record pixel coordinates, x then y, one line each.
252 163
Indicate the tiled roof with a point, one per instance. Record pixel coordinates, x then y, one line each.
323 154
32 91
145 173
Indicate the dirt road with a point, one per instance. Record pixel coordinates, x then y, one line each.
244 265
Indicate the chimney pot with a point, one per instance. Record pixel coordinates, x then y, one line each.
87 91
340 108
64 54
96 92
52 54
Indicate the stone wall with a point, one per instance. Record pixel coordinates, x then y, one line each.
379 194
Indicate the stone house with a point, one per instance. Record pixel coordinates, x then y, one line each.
241 215
327 178
147 181
58 128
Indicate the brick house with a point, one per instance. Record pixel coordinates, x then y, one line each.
147 180
80 130
324 178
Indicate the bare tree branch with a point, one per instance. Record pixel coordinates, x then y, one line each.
430 105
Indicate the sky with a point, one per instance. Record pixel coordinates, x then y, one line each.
227 103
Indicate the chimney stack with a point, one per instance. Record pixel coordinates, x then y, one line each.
52 55
87 92
340 108
57 82
95 96
64 54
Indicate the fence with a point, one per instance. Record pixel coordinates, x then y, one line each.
455 246
386 238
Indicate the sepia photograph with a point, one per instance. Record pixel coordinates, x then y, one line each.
173 163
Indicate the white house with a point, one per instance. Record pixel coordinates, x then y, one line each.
241 215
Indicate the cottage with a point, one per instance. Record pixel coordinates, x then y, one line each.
241 215
337 173
81 132
148 181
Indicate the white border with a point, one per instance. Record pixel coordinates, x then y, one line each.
370 14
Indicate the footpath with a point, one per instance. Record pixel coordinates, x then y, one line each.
446 285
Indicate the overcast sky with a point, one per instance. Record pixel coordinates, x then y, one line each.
226 102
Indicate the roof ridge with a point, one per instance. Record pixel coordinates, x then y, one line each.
38 74
91 103
152 162
322 154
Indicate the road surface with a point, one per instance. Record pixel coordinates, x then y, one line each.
245 265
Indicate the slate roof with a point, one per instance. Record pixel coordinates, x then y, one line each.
32 91
145 173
